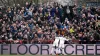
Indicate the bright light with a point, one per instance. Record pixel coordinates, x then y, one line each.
65 2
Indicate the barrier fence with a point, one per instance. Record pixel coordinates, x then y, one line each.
49 41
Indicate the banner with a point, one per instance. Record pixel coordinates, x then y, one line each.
45 49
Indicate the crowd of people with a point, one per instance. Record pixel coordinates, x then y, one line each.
37 24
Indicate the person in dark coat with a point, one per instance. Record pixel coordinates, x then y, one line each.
68 12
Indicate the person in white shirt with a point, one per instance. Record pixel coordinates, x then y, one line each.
61 44
55 45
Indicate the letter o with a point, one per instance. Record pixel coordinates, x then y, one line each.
35 50
20 52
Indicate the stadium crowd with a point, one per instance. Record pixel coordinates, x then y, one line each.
37 24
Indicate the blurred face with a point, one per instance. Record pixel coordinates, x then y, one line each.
18 4
88 21
22 8
5 15
14 13
26 3
14 25
96 14
89 9
83 7
3 22
9 11
48 10
42 27
60 6
83 15
89 14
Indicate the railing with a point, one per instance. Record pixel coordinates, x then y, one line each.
49 41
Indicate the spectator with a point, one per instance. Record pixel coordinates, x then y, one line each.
38 24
